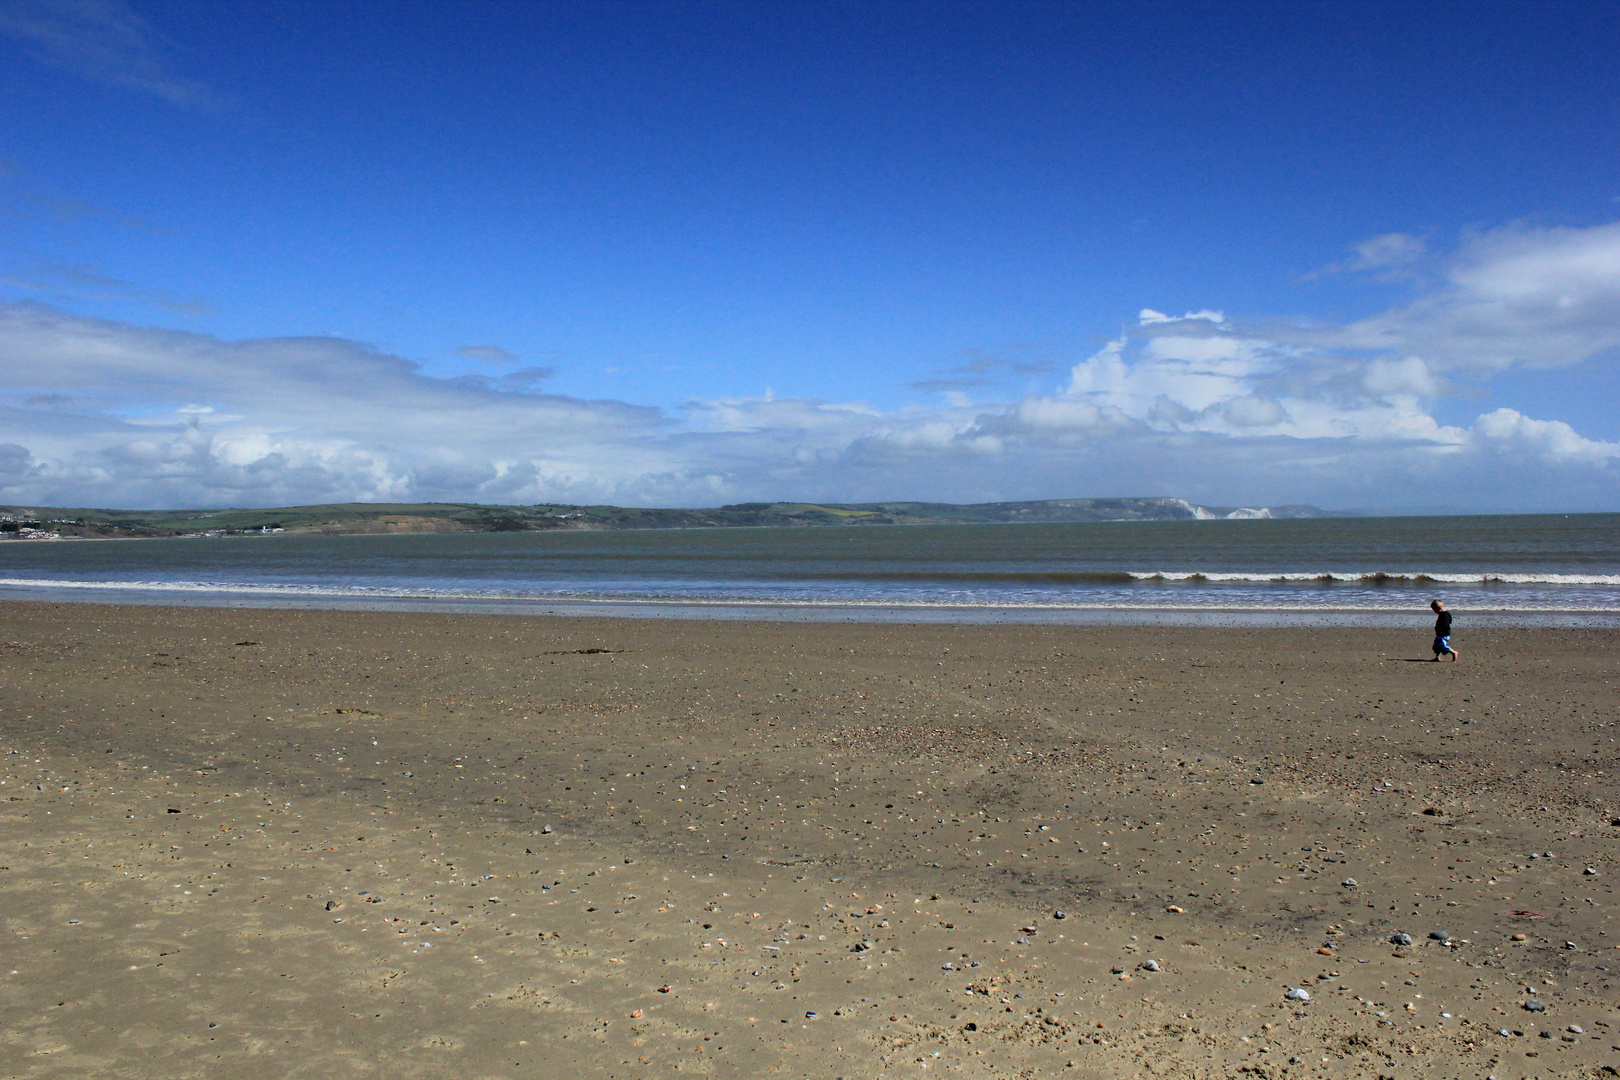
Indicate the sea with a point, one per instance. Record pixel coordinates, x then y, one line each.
1552 570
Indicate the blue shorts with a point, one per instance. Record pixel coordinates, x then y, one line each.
1442 644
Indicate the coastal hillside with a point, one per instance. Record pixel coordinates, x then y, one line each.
45 522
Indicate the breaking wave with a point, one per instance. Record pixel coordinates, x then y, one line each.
1201 577
1379 577
922 588
944 577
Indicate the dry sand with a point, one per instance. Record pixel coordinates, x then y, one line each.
299 843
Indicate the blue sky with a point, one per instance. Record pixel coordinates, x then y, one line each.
697 253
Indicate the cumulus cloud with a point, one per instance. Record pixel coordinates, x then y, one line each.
1552 441
1198 405
1206 375
1515 297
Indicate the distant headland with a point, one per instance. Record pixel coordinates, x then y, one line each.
44 522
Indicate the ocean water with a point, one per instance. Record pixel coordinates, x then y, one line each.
1548 570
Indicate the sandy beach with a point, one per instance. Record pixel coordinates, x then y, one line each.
313 843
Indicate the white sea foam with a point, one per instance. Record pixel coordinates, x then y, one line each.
1364 577
1193 577
1077 600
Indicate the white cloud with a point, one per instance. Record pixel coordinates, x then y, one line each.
1201 406
1233 381
164 416
1148 317
1046 414
1402 376
1554 441
1514 297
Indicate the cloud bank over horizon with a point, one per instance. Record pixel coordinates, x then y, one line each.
1217 410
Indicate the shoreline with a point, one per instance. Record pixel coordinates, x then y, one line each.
878 612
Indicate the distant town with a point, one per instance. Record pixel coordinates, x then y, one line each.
29 528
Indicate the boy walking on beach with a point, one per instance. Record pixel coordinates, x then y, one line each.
1442 631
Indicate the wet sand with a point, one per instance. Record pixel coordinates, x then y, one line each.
312 843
